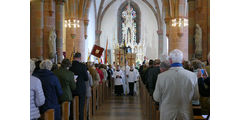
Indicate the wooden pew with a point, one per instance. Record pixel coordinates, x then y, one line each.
94 98
153 111
98 97
112 86
65 110
91 106
76 108
146 104
85 110
197 110
150 107
103 90
157 115
49 114
103 85
198 118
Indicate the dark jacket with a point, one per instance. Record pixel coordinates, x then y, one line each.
204 86
68 84
52 90
110 73
80 70
152 78
145 76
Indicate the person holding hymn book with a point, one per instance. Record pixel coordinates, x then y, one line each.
175 89
131 79
118 81
204 90
80 70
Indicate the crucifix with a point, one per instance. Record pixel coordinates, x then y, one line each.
131 58
119 56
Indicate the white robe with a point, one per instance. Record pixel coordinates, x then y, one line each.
136 85
175 89
118 81
132 76
125 83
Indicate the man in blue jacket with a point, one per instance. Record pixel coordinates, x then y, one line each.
80 71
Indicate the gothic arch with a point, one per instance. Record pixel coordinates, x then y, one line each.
138 20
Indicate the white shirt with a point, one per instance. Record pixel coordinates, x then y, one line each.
118 81
132 75
175 89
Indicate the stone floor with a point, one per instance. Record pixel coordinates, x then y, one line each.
120 108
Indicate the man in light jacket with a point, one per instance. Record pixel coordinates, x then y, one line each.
37 97
175 89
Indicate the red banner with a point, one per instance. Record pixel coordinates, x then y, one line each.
97 51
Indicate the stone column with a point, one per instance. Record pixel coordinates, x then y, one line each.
160 42
177 34
37 28
59 29
80 40
70 41
98 34
178 39
86 21
201 18
49 24
191 27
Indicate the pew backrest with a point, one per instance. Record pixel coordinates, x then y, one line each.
49 114
65 110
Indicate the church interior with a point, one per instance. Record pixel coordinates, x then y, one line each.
121 33
150 28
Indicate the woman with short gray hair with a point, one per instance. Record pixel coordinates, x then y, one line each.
51 87
46 64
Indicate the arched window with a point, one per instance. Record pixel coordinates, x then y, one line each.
128 24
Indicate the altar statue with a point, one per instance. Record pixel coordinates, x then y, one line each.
198 41
52 44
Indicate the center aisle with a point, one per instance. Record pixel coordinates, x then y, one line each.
120 108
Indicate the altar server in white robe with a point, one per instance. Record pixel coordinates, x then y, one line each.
175 89
131 76
118 81
125 83
136 84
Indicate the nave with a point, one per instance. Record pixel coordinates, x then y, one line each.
120 108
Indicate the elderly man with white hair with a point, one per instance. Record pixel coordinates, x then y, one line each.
51 88
175 89
37 97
